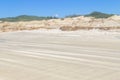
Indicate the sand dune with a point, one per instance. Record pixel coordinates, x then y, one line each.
57 55
66 24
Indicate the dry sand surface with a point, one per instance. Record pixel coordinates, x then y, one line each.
57 55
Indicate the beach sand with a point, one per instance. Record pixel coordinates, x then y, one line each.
58 55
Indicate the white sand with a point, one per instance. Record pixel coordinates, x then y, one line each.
57 55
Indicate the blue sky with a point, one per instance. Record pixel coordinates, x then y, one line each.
9 8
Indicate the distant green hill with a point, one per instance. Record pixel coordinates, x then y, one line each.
31 18
93 14
99 15
25 18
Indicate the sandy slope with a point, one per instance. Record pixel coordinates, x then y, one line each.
56 55
66 24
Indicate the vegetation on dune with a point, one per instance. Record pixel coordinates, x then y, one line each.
99 15
31 18
72 16
26 18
